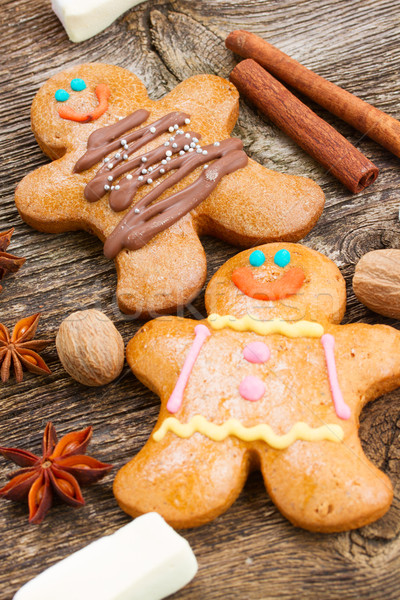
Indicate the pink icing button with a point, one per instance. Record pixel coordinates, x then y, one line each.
256 352
251 388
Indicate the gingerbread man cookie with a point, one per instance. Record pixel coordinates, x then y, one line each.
149 177
269 380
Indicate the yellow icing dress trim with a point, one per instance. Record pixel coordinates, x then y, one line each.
263 432
247 323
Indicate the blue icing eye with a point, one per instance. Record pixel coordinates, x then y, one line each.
282 258
78 85
257 258
61 95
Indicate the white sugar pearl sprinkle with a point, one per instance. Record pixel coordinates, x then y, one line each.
163 162
181 152
199 150
216 143
110 178
118 155
123 142
117 187
106 187
152 129
174 145
129 176
110 165
195 140
144 159
140 178
176 126
187 121
150 169
162 171
144 171
166 143
149 180
137 211
171 139
168 158
179 131
205 167
170 129
186 148
192 145
112 187
187 135
106 159
205 152
125 157
191 149
168 153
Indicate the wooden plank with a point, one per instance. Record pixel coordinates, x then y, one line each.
251 551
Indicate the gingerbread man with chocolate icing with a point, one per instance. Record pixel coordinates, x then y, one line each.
148 178
270 380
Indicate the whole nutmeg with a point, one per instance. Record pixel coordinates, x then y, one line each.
376 282
90 348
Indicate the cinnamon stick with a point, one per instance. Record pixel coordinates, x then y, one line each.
376 124
313 134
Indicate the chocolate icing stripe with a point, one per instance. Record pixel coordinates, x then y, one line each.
182 167
144 136
106 140
122 198
136 229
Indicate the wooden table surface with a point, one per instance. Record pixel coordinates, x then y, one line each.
250 552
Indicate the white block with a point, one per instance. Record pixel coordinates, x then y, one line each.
145 560
82 19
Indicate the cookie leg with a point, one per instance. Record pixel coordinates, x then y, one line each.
166 273
187 481
325 486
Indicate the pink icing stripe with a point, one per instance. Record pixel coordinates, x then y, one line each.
342 410
176 398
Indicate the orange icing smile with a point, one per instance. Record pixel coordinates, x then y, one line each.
102 92
285 286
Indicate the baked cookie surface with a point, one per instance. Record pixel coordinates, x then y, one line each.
276 385
249 205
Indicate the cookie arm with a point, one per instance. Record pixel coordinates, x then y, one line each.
255 205
373 354
50 199
157 352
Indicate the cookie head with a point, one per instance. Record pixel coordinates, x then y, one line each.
85 97
287 281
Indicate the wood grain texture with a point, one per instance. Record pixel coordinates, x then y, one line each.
251 551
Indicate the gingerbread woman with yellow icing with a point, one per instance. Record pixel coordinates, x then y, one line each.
269 380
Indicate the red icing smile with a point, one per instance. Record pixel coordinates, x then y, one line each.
102 92
285 286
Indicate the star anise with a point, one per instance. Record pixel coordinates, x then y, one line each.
20 349
8 262
61 470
